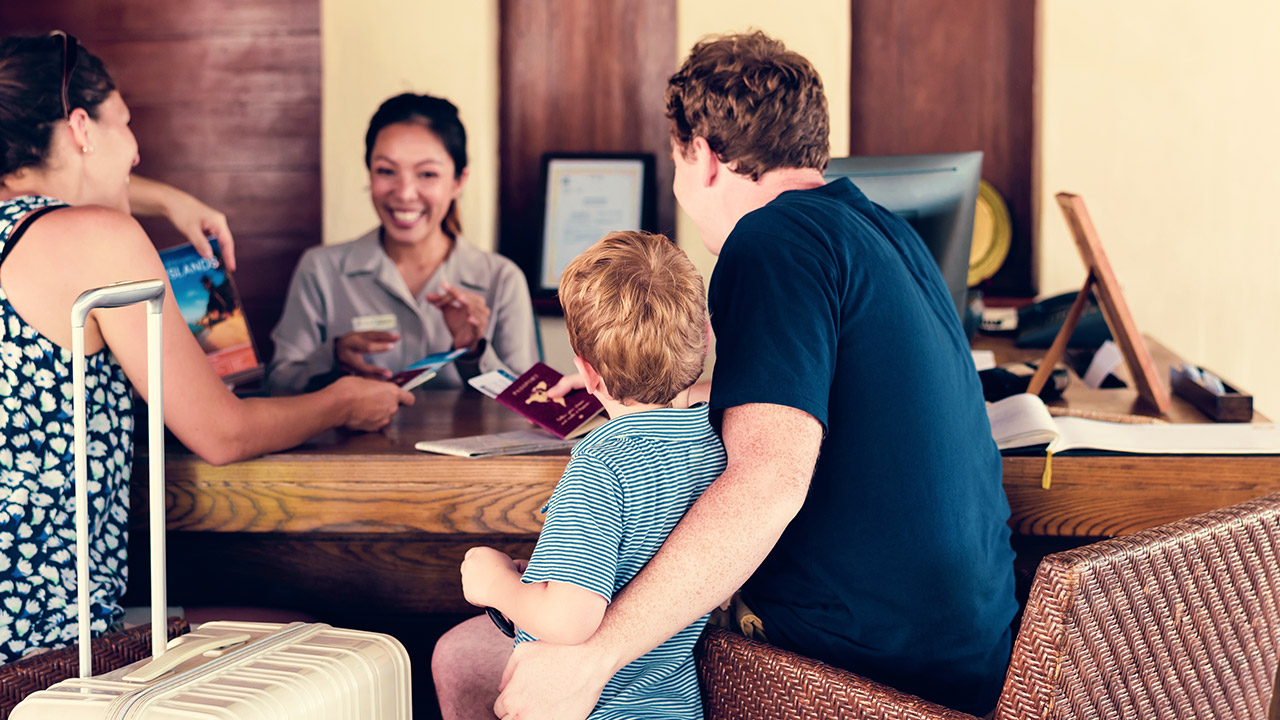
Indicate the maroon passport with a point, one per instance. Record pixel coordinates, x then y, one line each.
563 417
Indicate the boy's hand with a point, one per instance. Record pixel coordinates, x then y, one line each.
486 573
565 385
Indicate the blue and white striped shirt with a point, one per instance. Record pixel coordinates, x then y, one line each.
626 486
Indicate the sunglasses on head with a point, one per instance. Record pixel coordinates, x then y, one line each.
70 51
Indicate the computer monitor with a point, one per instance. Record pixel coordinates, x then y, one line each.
935 194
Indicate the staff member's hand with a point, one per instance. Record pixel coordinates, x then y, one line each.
350 349
465 313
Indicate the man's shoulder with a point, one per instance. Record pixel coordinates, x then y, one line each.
833 224
799 218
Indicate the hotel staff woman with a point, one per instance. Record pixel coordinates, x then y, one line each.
66 152
413 285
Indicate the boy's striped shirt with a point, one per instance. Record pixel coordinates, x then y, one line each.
626 486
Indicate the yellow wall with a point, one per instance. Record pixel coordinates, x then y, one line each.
1161 114
821 32
1158 112
379 48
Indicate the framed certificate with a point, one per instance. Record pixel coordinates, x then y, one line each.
586 197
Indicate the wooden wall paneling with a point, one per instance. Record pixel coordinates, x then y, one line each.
238 71
931 76
579 76
225 97
198 138
147 19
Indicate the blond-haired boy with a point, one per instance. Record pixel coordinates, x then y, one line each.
635 311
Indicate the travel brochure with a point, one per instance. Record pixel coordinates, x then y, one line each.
210 304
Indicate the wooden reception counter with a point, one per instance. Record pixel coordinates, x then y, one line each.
365 517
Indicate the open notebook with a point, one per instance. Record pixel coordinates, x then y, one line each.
1023 421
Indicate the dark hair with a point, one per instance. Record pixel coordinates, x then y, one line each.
31 95
437 115
759 105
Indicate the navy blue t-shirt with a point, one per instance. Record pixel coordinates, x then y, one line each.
898 567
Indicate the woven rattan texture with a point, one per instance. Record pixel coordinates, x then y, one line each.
113 650
747 680
1178 621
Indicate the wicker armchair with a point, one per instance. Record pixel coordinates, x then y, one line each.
1177 621
110 651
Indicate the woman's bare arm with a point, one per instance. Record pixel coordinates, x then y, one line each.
188 214
75 249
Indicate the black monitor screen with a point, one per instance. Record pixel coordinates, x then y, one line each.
935 194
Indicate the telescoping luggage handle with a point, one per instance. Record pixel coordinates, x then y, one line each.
111 296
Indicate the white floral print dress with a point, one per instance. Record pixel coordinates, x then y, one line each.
37 493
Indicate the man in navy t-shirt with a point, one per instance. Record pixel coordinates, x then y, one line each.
898 564
862 504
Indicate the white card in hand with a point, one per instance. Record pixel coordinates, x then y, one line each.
365 323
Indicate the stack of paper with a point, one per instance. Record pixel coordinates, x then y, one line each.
516 442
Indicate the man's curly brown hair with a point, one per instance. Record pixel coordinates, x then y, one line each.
759 105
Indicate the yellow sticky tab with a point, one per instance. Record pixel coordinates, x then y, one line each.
1047 477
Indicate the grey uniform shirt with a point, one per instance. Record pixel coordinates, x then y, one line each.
335 284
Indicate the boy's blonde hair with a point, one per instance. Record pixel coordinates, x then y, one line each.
635 308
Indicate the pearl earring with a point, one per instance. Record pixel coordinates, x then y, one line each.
86 149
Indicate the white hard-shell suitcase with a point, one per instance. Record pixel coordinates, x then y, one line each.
223 669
